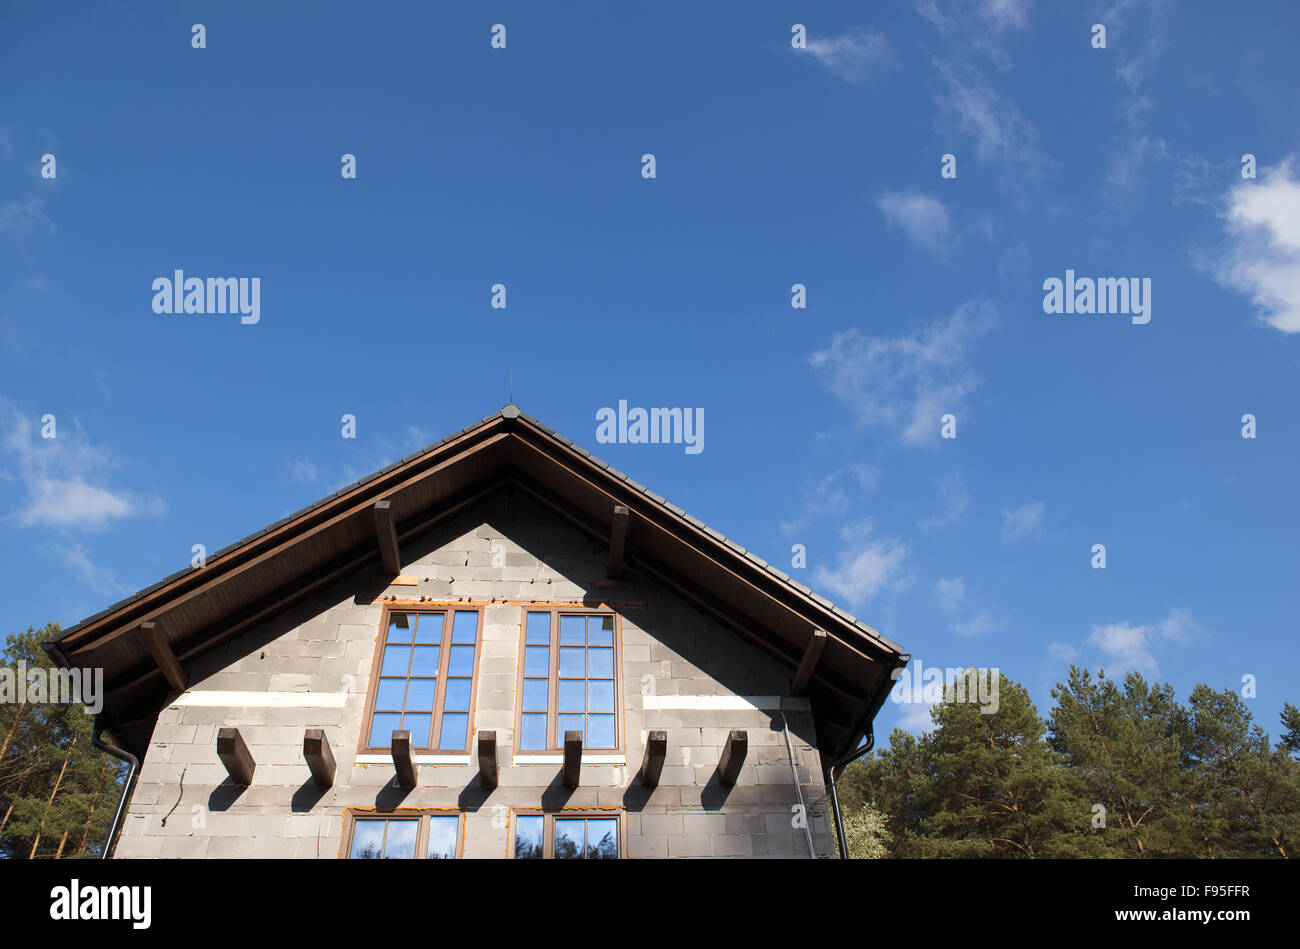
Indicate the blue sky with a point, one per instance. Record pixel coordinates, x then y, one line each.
773 166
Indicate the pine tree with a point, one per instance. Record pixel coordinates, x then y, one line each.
57 791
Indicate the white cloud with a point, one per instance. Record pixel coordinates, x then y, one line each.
1131 647
302 471
865 568
21 219
100 579
981 623
916 717
1023 521
63 479
906 382
949 594
853 56
830 496
961 15
1262 256
1000 132
955 500
922 218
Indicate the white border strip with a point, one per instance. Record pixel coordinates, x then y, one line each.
261 699
419 759
587 758
724 703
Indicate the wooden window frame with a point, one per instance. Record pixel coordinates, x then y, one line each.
444 658
555 742
549 816
353 815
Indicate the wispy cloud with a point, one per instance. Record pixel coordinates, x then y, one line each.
866 566
854 56
906 382
1127 646
950 594
922 218
1262 256
302 471
1023 521
63 478
955 499
98 578
832 494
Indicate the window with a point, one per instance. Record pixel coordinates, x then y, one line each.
406 836
566 836
568 680
424 680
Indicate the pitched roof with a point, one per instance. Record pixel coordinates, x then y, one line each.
269 571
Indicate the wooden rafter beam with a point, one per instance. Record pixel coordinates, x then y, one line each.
812 652
386 530
572 758
487 759
617 540
656 750
407 774
320 758
234 754
733 756
155 640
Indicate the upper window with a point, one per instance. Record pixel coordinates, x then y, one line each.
568 681
424 680
407 837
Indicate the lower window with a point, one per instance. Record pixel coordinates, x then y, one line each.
404 836
566 836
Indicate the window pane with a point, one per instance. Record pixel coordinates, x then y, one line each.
425 661
418 726
399 628
602 839
390 695
534 733
367 840
600 663
600 695
466 626
457 697
442 837
600 631
382 728
572 662
539 629
461 662
396 660
537 661
573 630
401 839
568 723
528 838
572 695
535 695
569 839
601 731
428 628
454 725
420 694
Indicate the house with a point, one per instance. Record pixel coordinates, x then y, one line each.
496 647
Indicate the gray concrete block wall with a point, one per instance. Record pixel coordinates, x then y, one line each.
321 652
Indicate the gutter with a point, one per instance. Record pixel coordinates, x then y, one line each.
868 731
134 762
